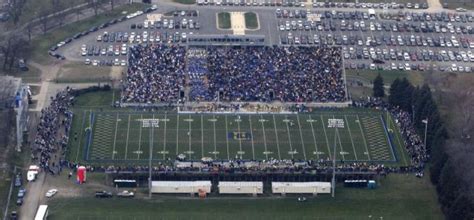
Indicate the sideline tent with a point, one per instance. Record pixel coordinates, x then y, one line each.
241 188
301 187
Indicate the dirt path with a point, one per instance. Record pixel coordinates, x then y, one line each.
434 6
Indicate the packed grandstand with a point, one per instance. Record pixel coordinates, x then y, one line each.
171 73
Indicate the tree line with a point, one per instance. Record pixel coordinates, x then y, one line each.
448 142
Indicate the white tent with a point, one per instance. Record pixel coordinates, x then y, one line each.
240 188
301 187
180 186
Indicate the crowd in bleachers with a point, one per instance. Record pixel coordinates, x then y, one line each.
412 141
158 73
155 74
53 129
289 74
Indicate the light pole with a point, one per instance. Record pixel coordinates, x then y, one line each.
149 162
334 123
426 128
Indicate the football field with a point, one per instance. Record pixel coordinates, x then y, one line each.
131 136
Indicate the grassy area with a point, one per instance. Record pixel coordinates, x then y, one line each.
223 20
30 76
251 20
40 45
78 72
389 76
185 2
398 197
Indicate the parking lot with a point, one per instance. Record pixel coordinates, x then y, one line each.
377 39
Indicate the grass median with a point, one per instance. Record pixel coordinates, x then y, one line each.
223 20
251 20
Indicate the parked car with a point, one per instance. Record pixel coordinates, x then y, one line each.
51 193
13 215
125 194
103 194
21 193
18 180
19 201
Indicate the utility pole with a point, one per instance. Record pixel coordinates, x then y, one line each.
426 129
149 162
334 123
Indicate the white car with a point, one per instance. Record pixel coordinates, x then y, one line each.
123 63
51 193
87 62
125 194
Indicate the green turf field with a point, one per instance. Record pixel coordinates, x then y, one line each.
121 136
399 196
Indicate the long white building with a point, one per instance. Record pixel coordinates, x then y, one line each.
301 187
191 187
253 188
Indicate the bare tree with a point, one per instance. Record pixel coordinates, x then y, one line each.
43 18
460 99
13 48
112 4
16 9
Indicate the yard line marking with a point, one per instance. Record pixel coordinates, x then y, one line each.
251 137
164 137
301 136
177 135
140 138
115 137
128 134
340 144
350 135
314 138
240 139
81 133
264 136
326 136
215 141
189 136
276 136
227 138
202 137
363 137
289 137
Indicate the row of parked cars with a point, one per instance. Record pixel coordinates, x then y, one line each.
97 50
114 62
314 3
52 50
144 37
407 55
106 194
375 26
426 16
374 41
168 24
409 67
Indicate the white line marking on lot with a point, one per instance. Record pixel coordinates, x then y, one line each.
139 138
289 136
350 135
326 136
314 137
128 134
164 137
301 136
276 136
115 137
177 135
264 135
227 138
251 137
363 137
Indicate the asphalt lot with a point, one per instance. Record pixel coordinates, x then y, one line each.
392 39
